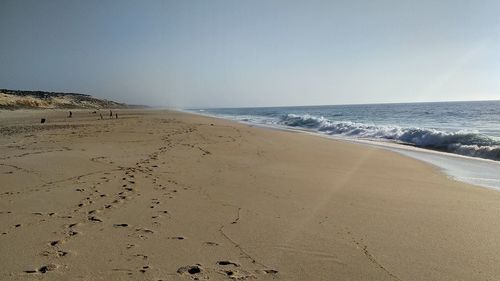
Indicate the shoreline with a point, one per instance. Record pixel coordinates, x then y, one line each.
458 167
165 195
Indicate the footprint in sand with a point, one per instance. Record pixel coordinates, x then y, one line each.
144 269
56 253
94 219
154 202
55 243
144 257
209 243
271 271
190 269
226 262
43 269
72 232
46 268
62 253
177 238
144 230
238 274
65 217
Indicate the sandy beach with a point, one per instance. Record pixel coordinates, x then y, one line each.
161 195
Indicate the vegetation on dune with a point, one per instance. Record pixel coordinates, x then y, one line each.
17 99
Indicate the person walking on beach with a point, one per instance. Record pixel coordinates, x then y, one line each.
70 114
110 114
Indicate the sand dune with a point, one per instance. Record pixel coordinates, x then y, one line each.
18 99
158 195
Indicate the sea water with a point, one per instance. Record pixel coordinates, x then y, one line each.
463 138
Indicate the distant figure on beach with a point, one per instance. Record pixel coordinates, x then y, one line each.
101 115
42 121
70 114
110 114
116 115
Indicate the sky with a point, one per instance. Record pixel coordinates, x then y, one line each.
237 53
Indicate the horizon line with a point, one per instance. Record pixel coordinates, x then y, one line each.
339 104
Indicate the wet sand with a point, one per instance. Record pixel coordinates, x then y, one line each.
158 195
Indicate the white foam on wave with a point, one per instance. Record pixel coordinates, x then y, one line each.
469 143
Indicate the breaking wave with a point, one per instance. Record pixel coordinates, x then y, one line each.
462 142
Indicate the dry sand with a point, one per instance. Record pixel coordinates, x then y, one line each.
158 195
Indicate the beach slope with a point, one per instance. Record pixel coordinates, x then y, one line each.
159 195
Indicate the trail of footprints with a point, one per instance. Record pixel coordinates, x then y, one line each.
227 268
54 248
96 203
84 211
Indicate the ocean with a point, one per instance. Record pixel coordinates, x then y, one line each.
470 129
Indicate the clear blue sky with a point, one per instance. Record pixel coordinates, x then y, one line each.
204 53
